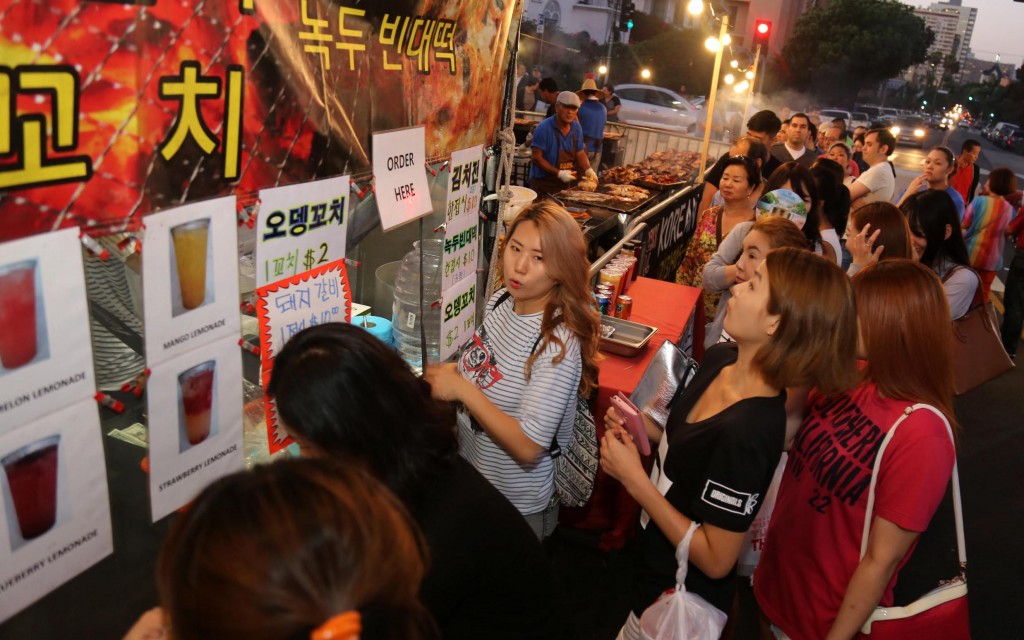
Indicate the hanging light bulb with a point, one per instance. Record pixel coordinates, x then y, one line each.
711 44
741 87
734 64
603 69
695 7
726 40
729 79
750 75
645 74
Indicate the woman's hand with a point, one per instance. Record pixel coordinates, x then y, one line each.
917 184
446 383
149 626
612 420
619 456
860 247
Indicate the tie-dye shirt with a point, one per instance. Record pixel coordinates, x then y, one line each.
984 222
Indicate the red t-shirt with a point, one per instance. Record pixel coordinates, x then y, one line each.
813 542
962 180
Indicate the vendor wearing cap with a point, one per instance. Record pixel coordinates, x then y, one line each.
558 152
592 116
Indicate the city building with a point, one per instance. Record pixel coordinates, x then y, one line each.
975 71
953 25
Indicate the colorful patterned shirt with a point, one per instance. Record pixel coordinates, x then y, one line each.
984 222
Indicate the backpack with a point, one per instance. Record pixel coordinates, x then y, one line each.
576 466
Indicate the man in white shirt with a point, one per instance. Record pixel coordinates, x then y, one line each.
795 146
879 181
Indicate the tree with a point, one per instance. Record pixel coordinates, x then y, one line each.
846 45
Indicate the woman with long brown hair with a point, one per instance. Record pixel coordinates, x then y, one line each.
878 231
811 581
294 549
794 325
536 350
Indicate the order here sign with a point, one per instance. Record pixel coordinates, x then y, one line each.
400 176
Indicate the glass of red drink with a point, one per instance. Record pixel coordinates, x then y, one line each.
32 477
18 340
197 400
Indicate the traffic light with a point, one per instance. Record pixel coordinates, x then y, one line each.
762 33
626 16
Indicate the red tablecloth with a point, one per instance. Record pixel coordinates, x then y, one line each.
669 307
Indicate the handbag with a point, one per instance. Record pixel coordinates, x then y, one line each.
977 346
679 614
668 373
942 612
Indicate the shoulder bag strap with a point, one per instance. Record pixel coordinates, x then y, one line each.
958 515
978 298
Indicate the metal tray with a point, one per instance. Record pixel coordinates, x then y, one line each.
610 205
629 338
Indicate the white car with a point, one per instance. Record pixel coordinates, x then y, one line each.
656 107
826 116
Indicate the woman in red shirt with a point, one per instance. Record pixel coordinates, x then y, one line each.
811 582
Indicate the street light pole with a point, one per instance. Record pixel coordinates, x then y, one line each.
711 97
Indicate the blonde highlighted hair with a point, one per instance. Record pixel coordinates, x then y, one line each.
564 250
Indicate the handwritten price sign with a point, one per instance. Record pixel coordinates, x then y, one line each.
458 316
461 239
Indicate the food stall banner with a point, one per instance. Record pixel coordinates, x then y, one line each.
400 176
458 316
45 345
288 306
462 216
194 403
666 236
190 278
117 109
299 227
55 514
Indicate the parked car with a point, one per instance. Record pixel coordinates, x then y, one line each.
1003 135
657 107
909 131
1015 141
828 115
859 119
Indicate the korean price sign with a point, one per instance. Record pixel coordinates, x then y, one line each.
400 176
464 178
461 246
301 227
458 316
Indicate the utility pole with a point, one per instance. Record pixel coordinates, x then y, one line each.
613 19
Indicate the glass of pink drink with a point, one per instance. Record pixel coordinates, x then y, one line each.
32 476
197 400
18 340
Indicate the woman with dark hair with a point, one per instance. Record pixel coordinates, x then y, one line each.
840 154
740 177
794 325
518 380
939 166
797 178
294 549
835 201
878 231
938 244
984 223
813 581
343 394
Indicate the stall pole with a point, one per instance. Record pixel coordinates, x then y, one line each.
750 92
711 97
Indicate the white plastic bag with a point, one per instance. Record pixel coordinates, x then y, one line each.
753 542
678 614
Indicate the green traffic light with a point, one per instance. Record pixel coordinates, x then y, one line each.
630 24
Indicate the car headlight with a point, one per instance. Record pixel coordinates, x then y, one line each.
918 133
894 131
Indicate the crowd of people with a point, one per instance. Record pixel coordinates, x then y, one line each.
421 505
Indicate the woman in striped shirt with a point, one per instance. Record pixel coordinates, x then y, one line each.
518 379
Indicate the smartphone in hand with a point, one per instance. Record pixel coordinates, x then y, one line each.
634 422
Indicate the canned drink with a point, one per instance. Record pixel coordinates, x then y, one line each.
604 304
623 307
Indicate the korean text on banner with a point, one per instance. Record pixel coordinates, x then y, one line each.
287 307
45 348
458 316
400 176
301 226
461 240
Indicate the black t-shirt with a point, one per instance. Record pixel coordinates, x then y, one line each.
720 470
488 574
611 104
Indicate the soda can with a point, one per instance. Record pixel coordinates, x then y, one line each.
604 304
623 307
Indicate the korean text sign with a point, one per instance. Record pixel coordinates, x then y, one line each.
458 316
461 239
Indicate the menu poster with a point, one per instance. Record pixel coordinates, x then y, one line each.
458 316
301 226
461 239
195 423
55 514
400 176
287 307
45 345
190 278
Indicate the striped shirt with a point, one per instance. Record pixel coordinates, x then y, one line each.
984 223
495 361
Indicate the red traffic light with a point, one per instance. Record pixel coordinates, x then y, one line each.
762 33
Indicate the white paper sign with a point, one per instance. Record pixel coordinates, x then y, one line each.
195 423
190 278
458 316
55 519
461 240
45 345
301 226
400 176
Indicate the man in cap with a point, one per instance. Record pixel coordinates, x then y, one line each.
593 116
558 153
